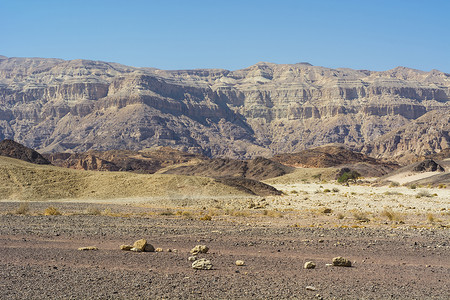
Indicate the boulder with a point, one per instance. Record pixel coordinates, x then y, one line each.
199 249
202 264
309 265
341 262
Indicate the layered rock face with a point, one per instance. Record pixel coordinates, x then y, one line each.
55 106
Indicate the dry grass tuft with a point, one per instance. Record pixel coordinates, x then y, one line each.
23 209
52 211
360 216
391 215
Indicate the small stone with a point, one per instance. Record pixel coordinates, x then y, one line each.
309 265
311 288
140 244
192 258
134 249
174 250
341 262
328 265
169 250
202 264
240 263
125 247
320 241
199 249
88 248
158 250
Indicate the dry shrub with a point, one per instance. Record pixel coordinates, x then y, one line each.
93 211
51 211
340 216
394 184
391 215
167 212
23 209
360 216
424 194
205 218
430 218
326 211
272 213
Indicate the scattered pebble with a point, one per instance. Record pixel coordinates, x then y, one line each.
192 258
311 288
158 250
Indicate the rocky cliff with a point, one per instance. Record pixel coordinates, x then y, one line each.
54 106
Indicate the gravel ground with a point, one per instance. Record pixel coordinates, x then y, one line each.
40 260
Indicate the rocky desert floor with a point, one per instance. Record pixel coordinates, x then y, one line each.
399 245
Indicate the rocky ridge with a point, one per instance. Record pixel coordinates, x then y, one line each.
55 106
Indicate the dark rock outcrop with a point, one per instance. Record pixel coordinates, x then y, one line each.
12 149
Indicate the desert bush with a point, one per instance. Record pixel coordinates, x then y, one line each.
412 186
442 186
317 176
389 193
272 213
391 215
394 184
93 211
430 218
326 190
348 176
167 212
51 211
340 216
326 211
23 209
335 190
205 218
360 216
424 194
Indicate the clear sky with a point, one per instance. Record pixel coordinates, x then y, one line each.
187 34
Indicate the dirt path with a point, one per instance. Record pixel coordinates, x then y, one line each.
40 260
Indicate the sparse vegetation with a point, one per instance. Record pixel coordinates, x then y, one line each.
23 209
326 190
430 218
442 186
326 211
52 211
391 215
335 190
93 211
340 216
394 184
205 218
412 186
167 212
424 194
360 216
349 176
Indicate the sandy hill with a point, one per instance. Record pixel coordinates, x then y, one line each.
12 149
25 181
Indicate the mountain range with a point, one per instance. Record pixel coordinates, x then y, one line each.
55 105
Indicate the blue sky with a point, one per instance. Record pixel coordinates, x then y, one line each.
171 34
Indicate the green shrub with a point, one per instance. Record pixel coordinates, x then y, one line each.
347 176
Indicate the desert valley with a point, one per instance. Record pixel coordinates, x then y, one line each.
277 169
